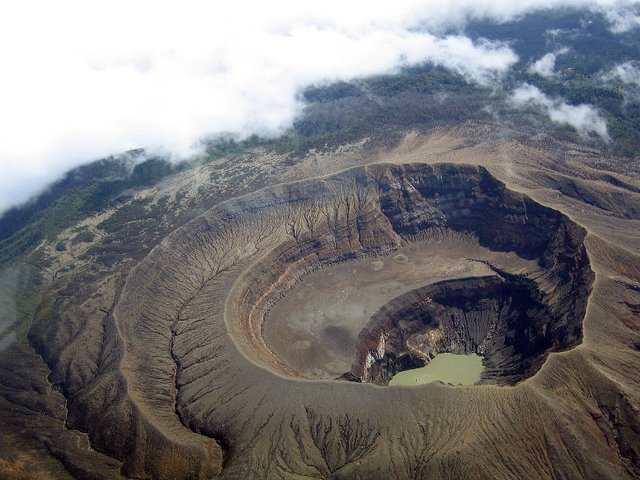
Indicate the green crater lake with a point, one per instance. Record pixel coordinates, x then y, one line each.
444 367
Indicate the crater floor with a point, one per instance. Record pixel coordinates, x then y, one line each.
314 328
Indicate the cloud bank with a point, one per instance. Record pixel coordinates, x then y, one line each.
546 66
82 80
622 16
584 118
627 72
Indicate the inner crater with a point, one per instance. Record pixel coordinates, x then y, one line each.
400 264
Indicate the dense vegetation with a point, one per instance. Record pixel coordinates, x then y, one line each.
592 50
80 193
428 96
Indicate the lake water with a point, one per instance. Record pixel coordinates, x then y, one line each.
444 367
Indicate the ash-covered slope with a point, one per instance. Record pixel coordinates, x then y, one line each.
155 368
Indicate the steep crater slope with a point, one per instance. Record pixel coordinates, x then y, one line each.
505 318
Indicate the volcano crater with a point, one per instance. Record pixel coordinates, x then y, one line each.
390 266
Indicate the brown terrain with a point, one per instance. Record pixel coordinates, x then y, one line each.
242 320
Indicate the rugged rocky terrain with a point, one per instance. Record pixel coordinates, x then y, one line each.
143 355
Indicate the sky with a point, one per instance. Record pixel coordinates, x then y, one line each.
83 79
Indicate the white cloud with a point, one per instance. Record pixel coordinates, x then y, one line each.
622 16
584 118
628 72
81 80
545 66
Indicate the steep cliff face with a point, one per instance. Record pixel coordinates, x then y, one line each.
504 318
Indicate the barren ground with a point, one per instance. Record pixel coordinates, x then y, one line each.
148 358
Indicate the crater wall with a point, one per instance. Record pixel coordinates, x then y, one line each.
514 318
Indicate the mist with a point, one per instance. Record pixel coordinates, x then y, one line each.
627 72
83 80
583 118
545 66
